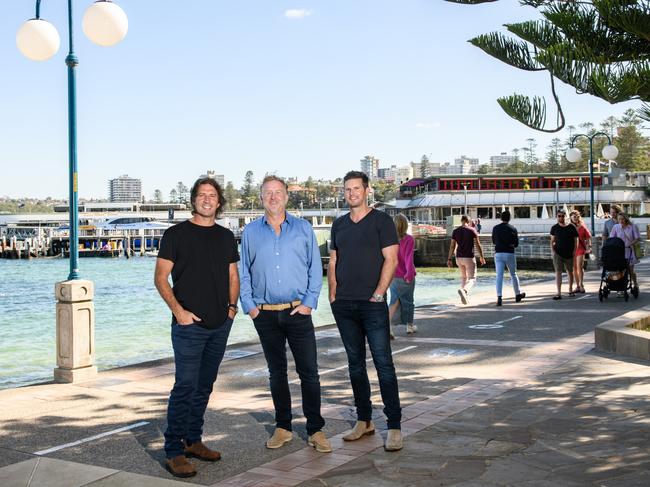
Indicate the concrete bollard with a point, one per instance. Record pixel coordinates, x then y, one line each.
75 331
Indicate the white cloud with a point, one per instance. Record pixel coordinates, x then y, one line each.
297 13
427 125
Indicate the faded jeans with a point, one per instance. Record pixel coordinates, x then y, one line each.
501 261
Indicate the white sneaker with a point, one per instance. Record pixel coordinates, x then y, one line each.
411 328
463 296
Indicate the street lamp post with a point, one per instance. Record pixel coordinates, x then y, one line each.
574 155
104 23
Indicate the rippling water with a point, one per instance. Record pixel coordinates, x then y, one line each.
131 321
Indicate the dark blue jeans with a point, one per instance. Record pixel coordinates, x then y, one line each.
198 353
275 329
358 321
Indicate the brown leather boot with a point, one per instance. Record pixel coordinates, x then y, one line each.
202 452
180 466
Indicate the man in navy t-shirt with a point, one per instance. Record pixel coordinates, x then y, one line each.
363 258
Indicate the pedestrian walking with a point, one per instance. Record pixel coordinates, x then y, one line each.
363 259
629 233
564 242
201 257
402 287
281 278
506 240
478 225
584 248
614 211
463 241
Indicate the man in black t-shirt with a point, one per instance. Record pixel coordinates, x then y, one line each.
363 258
201 257
564 243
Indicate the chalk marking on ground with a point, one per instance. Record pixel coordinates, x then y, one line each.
497 324
329 371
92 438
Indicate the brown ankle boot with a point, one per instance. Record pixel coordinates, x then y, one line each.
202 452
180 466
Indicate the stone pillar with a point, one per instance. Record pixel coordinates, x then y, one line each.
75 331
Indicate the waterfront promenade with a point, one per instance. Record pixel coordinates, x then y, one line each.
492 396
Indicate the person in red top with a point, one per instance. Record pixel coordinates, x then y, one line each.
403 284
463 240
584 248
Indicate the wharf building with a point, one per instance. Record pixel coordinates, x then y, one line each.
527 196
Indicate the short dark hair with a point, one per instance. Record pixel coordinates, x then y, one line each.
195 191
464 219
357 175
505 216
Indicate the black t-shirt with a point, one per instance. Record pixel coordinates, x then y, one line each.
505 238
564 239
358 253
201 274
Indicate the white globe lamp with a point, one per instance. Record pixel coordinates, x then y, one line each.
38 40
105 23
610 152
573 155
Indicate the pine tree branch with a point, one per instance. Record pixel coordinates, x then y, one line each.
540 33
507 50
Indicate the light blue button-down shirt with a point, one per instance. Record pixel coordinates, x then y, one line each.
277 269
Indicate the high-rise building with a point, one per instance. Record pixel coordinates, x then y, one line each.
370 165
124 189
220 178
502 159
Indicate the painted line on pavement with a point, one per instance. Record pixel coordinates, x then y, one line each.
490 326
92 438
472 342
329 371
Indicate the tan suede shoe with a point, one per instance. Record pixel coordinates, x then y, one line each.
361 429
180 466
202 452
394 440
320 442
279 438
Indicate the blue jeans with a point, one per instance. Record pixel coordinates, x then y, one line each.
275 329
501 261
402 290
197 353
358 321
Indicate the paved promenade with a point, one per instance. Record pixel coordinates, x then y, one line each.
492 396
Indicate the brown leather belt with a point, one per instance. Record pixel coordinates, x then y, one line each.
279 307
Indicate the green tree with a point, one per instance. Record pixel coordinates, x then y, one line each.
157 196
231 195
249 194
634 148
553 156
484 169
173 196
600 47
424 167
183 192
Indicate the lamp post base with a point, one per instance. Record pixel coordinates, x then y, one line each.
74 375
75 331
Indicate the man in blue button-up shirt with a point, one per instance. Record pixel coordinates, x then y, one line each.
281 278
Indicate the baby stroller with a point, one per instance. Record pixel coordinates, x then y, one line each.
616 274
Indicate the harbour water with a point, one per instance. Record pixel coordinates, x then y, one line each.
132 322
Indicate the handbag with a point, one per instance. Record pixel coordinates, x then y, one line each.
638 250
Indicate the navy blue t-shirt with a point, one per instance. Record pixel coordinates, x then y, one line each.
358 253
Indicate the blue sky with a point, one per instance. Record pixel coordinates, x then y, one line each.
301 88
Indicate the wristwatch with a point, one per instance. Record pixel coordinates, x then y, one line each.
233 307
378 297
